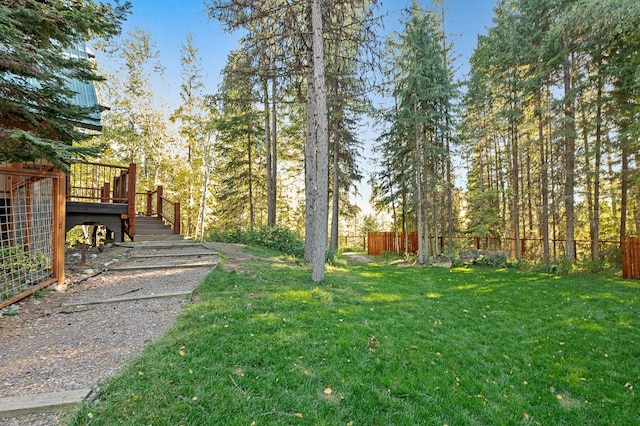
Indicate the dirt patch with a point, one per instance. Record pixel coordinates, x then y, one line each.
234 255
357 258
55 343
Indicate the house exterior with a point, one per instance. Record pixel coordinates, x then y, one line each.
32 213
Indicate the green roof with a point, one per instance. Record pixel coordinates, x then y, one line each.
85 91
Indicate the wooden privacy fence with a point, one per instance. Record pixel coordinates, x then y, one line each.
395 242
630 257
32 210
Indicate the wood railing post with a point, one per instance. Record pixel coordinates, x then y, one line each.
131 199
159 202
176 218
59 192
105 193
67 189
149 205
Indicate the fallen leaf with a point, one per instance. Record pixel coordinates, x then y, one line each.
181 352
195 398
526 416
350 424
140 373
298 415
328 391
90 415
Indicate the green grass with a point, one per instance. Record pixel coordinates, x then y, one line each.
395 346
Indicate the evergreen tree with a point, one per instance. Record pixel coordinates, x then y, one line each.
415 143
38 117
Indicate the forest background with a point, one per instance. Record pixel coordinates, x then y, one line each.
545 124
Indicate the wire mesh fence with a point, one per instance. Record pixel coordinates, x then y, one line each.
28 221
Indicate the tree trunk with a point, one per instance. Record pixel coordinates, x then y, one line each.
419 194
252 212
322 157
544 183
333 244
595 230
267 141
569 158
310 148
273 159
624 186
515 182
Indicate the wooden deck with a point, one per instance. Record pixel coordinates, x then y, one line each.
105 194
102 194
112 215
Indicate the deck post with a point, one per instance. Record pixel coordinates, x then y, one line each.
105 193
176 216
159 202
131 199
149 210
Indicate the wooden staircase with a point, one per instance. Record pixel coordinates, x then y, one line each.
153 229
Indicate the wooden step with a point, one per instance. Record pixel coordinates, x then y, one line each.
43 403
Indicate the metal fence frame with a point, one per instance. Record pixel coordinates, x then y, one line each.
32 210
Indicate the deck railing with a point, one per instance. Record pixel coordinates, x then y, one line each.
154 203
104 183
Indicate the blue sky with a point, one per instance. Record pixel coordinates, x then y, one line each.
168 22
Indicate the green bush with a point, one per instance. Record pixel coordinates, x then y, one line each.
276 238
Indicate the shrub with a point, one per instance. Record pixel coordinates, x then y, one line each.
276 238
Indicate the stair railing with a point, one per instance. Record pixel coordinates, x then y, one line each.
156 204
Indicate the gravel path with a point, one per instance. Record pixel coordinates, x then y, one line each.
59 342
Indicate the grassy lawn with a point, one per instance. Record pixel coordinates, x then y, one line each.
386 345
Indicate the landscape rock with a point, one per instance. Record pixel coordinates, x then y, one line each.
468 256
440 261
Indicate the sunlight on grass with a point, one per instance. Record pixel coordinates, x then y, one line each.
466 286
379 344
382 297
371 274
297 295
592 327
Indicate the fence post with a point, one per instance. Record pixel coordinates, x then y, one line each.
176 216
159 202
59 187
